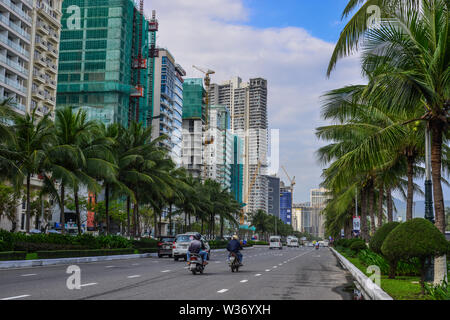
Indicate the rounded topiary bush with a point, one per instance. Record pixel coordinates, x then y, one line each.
417 238
358 245
378 238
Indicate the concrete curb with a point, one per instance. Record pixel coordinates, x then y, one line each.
68 261
369 289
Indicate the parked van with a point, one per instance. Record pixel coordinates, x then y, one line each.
275 243
292 242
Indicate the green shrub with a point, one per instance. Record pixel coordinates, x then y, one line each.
357 246
439 292
147 250
144 243
6 241
82 253
31 247
12 256
378 238
370 258
417 238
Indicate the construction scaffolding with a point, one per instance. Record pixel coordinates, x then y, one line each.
194 104
97 66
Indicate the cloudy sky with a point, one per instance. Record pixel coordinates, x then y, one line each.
288 42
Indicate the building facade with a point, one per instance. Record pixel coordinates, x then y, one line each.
29 44
99 69
273 196
285 204
237 169
168 103
194 119
247 103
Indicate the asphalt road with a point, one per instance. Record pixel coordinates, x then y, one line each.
289 274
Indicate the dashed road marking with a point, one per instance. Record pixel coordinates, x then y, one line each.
109 267
165 271
222 291
135 276
29 275
244 281
267 270
258 275
17 297
89 284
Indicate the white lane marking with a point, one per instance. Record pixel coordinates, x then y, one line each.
267 270
109 267
280 264
244 281
217 261
258 275
29 275
222 291
18 297
165 271
137 264
275 267
89 284
135 276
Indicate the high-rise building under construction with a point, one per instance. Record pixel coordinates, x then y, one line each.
104 60
247 103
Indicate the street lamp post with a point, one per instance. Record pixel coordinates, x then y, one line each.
429 215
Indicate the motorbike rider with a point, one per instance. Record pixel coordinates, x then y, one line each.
198 247
234 246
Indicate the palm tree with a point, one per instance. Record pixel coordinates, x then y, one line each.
418 81
32 136
361 22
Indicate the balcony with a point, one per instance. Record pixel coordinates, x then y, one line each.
50 100
13 65
50 83
48 12
13 84
52 51
14 46
18 11
39 94
15 28
41 44
38 76
53 36
16 106
42 27
51 67
40 60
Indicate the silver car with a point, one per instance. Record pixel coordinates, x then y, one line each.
182 243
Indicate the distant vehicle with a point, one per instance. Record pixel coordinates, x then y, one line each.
54 231
326 243
35 231
182 243
275 243
292 242
165 246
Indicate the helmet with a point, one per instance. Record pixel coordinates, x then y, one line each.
235 237
197 236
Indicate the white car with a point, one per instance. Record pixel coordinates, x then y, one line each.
292 242
275 243
182 243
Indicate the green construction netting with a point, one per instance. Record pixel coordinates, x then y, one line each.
193 99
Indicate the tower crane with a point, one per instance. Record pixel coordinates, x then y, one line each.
208 139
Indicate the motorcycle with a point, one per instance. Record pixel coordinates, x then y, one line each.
317 246
233 262
196 264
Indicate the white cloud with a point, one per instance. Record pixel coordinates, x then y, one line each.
211 33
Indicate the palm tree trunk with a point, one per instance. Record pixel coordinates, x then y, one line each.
364 233
185 221
202 224
221 227
371 209
28 214
159 224
134 221
436 165
390 207
128 215
62 218
440 265
77 210
107 207
410 192
380 206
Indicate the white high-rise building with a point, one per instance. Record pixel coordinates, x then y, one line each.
247 103
29 54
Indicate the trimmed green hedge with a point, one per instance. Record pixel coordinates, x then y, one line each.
378 238
82 253
12 256
145 243
147 250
